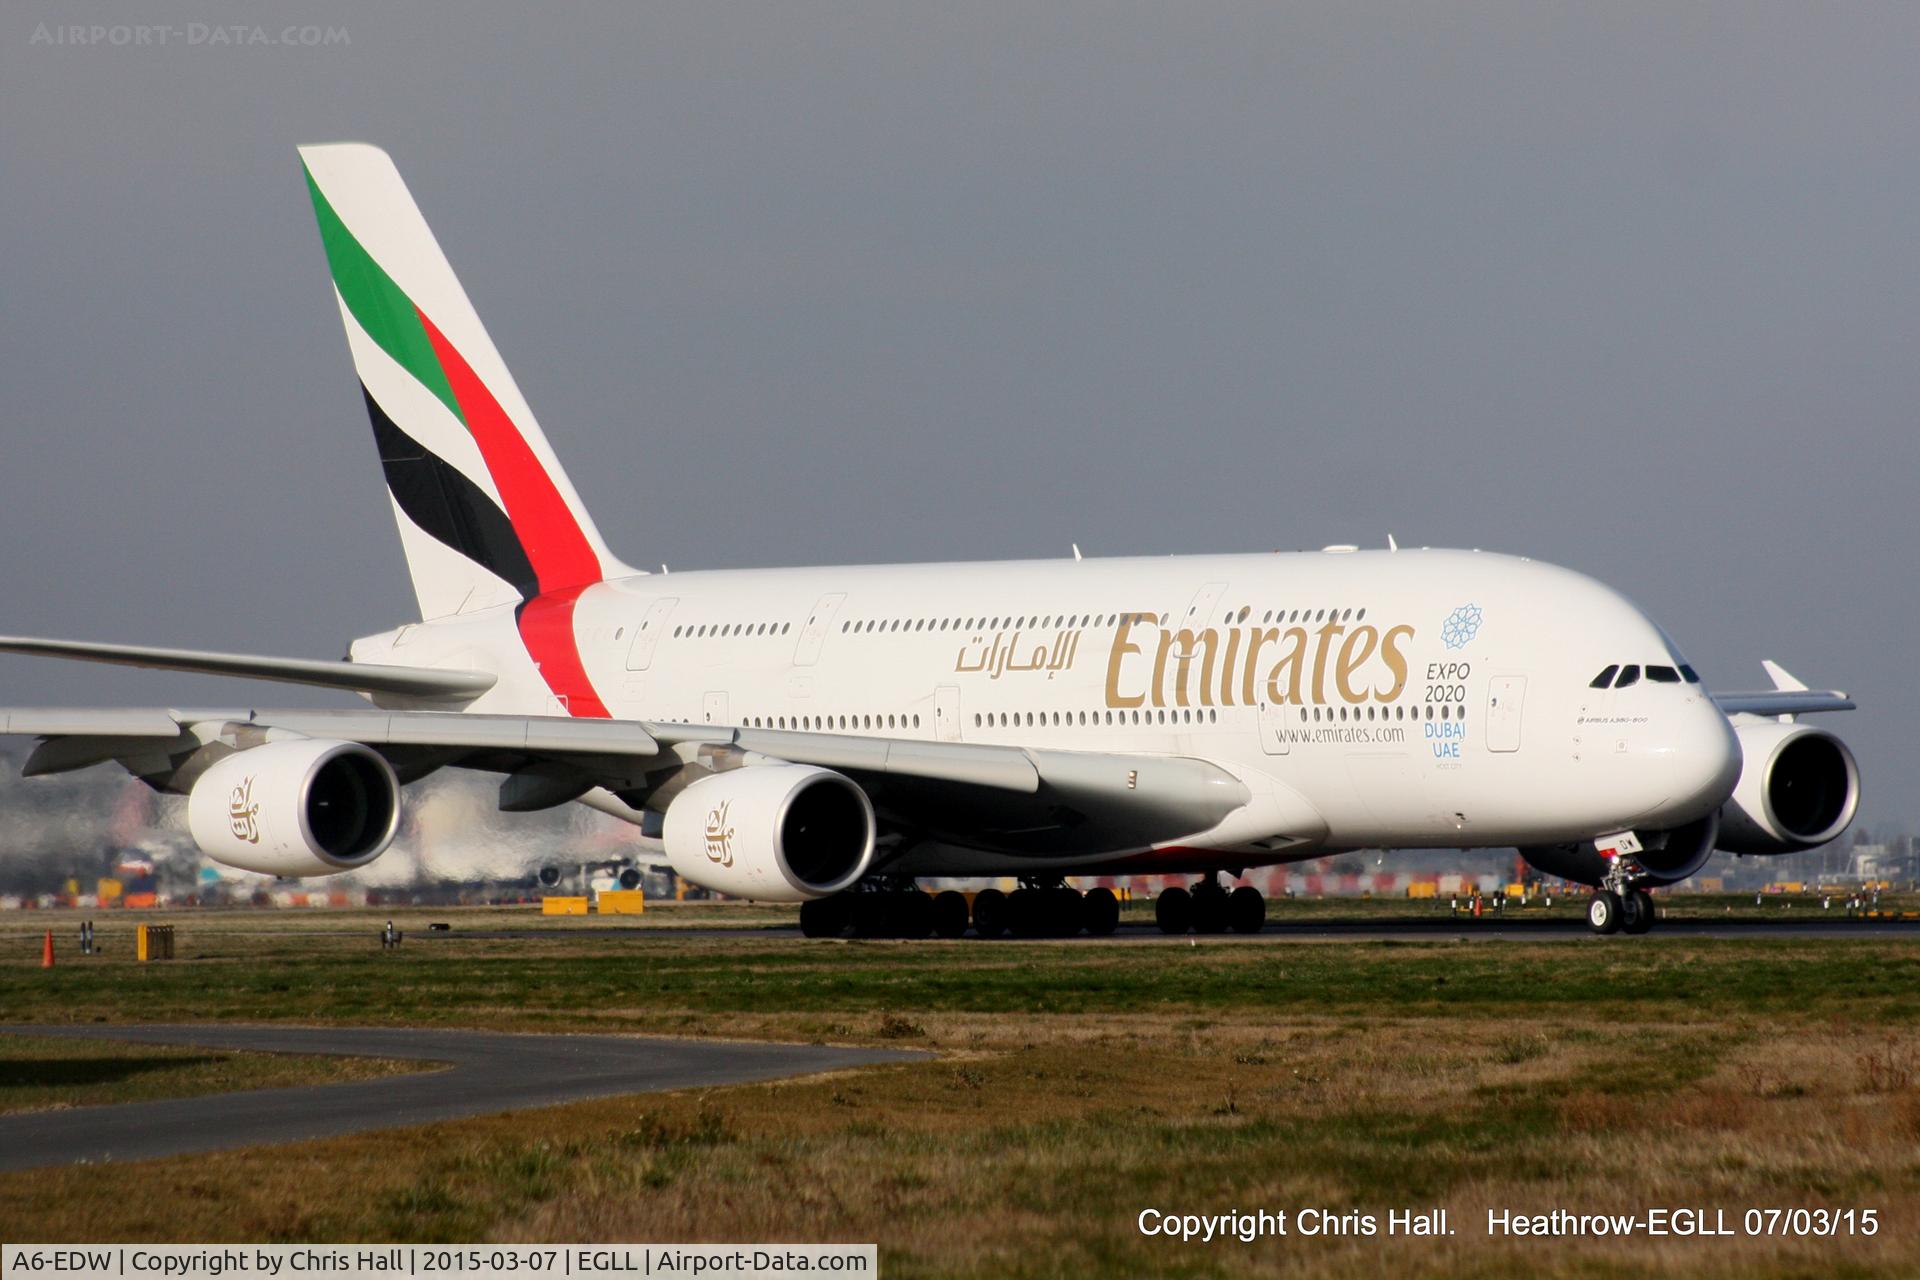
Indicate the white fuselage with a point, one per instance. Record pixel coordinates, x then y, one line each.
1407 698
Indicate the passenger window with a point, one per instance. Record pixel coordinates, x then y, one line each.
1629 674
1663 675
1605 679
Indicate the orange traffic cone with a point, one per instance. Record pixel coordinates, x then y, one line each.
46 952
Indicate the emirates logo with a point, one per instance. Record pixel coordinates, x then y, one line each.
243 815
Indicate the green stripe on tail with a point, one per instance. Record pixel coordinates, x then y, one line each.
387 314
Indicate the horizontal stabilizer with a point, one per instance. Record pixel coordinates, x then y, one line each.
359 677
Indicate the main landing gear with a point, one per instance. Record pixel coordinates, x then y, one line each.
1209 908
893 907
1620 904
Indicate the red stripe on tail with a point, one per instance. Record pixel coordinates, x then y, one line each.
556 547
564 563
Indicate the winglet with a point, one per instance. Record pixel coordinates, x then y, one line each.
1783 680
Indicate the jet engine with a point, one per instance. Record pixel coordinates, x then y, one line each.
306 807
775 832
1667 856
1798 788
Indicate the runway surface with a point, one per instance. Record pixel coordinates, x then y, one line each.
1807 924
487 1072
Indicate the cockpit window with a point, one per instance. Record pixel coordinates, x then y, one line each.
1663 675
1605 678
1689 674
1629 674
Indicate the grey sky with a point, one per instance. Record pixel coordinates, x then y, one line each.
1631 288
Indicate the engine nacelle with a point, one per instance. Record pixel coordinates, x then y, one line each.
775 832
307 807
1667 856
1798 788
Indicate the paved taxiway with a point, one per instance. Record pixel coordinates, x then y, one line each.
487 1072
1808 924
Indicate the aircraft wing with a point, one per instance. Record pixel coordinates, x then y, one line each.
999 796
359 677
1783 702
1788 697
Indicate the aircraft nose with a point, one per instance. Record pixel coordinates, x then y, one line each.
1699 763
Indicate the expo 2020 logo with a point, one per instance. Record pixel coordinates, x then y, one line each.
1462 625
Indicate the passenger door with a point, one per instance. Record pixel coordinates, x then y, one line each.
814 634
1273 728
1506 700
946 713
640 655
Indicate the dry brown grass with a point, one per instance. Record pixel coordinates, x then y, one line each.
1030 1145
1074 1086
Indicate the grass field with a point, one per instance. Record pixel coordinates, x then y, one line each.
1076 1084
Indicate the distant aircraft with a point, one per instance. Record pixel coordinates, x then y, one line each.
828 735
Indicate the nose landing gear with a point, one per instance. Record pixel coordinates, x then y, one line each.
1621 905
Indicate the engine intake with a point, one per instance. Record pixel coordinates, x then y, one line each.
1798 788
308 807
775 832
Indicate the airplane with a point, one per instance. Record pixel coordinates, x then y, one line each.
830 736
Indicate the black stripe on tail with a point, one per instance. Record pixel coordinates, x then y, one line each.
447 506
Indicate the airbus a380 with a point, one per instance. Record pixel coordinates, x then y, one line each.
828 736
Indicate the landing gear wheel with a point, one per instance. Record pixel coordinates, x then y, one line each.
1102 912
1209 909
824 917
1027 913
873 915
1605 912
990 913
949 914
1637 914
912 914
1173 911
1246 910
1066 913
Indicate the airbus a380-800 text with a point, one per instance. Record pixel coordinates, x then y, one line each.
830 736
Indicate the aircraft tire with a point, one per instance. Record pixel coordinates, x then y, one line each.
1604 912
1067 913
1102 913
949 914
990 913
1637 912
873 915
1246 910
1027 913
1210 910
912 914
820 918
1173 911
823 917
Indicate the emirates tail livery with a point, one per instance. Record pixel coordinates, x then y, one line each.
828 735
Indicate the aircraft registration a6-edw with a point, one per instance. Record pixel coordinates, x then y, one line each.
827 736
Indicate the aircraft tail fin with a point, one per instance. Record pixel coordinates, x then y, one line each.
486 514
